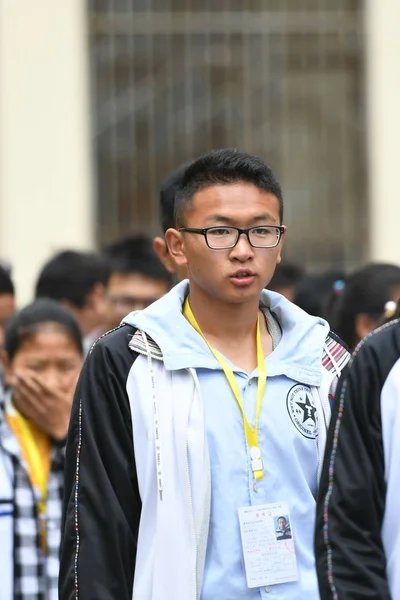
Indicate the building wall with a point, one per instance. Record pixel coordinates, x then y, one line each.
45 152
280 79
383 95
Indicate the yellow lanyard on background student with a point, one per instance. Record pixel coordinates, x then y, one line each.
36 449
250 432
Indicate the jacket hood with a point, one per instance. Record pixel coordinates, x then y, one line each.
298 354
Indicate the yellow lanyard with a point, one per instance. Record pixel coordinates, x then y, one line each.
37 457
250 432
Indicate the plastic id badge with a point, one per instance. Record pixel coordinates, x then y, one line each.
268 544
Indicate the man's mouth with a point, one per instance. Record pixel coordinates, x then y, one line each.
243 273
243 277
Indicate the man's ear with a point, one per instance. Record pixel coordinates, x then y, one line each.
176 247
161 249
279 255
363 325
98 291
77 312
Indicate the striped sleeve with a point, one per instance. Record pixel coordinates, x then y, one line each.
336 355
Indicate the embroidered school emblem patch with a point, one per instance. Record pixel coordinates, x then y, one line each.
302 411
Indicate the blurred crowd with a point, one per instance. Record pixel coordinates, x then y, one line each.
81 295
100 288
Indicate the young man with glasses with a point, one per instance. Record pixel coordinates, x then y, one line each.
202 420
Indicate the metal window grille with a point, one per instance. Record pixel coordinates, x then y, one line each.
283 79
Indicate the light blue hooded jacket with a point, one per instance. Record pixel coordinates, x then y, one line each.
199 446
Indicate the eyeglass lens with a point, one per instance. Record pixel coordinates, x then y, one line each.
226 237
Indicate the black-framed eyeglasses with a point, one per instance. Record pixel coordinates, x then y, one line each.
222 238
130 302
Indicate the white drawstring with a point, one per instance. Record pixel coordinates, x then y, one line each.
334 363
322 430
156 422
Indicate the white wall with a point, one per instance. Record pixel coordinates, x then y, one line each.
383 95
45 154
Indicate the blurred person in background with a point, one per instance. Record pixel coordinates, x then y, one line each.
42 359
7 299
362 303
78 280
7 309
314 294
167 219
137 277
286 280
357 535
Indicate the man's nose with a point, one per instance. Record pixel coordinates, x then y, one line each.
243 249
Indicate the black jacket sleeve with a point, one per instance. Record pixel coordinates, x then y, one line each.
350 558
102 503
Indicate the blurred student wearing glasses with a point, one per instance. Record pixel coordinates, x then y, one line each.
202 414
137 277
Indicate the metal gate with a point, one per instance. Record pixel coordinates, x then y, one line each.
280 78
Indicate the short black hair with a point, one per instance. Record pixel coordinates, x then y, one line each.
225 166
71 275
317 294
287 275
135 254
27 322
167 196
6 284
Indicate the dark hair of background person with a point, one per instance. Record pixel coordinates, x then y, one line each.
366 293
28 321
224 167
316 294
396 312
71 276
167 196
286 279
7 303
286 275
135 254
6 284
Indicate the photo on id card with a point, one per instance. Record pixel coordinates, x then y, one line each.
268 544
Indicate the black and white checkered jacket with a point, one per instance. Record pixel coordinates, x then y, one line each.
25 573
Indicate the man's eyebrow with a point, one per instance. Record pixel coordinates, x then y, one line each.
220 219
264 217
